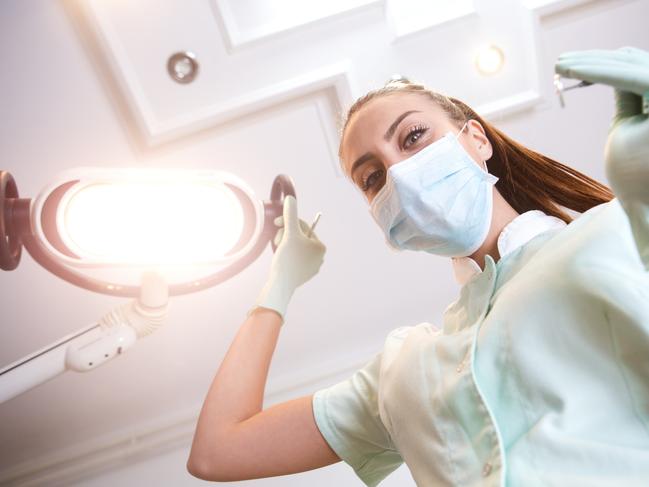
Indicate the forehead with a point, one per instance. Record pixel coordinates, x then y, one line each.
367 126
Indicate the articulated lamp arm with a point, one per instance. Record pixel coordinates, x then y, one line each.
92 346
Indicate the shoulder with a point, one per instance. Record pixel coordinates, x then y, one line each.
403 332
609 211
595 231
604 230
596 249
398 337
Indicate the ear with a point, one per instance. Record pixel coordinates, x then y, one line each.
479 140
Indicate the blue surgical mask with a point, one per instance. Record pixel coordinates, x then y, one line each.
438 200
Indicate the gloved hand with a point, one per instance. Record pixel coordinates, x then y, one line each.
297 259
627 148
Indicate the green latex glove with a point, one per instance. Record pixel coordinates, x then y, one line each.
297 259
627 148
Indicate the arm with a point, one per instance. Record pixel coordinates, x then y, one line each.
627 147
234 438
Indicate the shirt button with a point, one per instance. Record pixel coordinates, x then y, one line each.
459 368
486 470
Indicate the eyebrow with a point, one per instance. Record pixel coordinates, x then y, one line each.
388 135
390 132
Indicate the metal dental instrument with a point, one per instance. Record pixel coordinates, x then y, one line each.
560 88
317 217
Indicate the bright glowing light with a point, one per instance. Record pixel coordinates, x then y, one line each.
151 222
490 60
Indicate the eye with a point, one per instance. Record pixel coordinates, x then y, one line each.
413 135
370 181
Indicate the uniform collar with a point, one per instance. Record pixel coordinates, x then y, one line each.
517 232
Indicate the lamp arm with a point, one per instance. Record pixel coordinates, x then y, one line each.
38 367
92 346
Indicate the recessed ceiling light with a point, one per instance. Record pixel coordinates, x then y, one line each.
490 60
182 67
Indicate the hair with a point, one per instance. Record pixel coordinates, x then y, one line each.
527 179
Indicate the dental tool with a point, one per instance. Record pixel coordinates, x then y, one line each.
317 218
560 88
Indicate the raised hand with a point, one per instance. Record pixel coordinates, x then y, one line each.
297 259
627 147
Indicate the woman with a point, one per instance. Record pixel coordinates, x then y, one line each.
540 373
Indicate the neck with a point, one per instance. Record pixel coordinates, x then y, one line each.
502 214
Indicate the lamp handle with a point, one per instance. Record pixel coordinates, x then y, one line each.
10 243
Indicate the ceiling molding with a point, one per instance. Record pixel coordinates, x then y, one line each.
431 14
510 105
237 35
331 79
164 111
546 8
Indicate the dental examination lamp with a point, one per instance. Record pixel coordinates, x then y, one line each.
134 230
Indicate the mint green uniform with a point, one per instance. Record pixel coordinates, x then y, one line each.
538 377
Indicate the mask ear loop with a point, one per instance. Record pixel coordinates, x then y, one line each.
465 124
486 169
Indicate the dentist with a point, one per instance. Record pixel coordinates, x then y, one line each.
539 374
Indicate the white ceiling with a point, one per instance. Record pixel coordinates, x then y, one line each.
87 86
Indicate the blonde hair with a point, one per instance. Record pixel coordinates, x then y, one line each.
528 180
